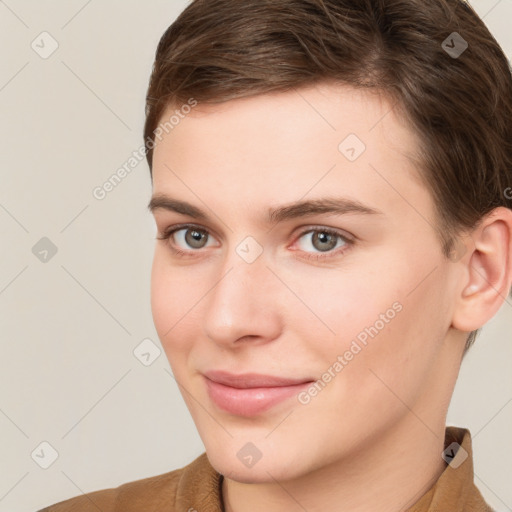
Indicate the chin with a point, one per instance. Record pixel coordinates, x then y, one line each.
267 469
255 475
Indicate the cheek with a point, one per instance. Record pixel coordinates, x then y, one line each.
161 298
338 305
403 338
373 313
172 303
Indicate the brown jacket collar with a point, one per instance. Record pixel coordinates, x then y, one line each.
200 485
197 487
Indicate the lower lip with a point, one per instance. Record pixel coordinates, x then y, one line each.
250 401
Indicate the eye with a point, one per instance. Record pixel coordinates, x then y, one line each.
186 237
325 241
193 237
186 240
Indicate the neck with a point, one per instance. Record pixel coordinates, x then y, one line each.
388 474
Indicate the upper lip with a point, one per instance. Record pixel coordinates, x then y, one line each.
251 380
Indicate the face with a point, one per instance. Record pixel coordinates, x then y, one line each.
303 287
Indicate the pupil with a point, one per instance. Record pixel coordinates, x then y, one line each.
324 238
194 237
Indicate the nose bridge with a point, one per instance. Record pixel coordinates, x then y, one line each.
239 303
244 270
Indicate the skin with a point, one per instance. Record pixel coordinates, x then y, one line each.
382 418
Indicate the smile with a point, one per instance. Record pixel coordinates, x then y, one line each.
250 394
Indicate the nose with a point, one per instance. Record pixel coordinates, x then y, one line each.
243 305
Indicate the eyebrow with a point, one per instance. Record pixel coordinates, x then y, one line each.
332 205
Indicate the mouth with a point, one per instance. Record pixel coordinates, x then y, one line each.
250 394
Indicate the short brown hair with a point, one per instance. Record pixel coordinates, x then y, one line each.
459 105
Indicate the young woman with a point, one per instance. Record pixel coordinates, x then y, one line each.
332 192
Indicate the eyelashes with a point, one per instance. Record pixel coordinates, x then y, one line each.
320 234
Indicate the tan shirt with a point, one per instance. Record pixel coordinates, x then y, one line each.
197 488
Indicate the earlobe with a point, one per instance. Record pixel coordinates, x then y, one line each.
488 273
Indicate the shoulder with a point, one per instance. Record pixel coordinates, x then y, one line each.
147 494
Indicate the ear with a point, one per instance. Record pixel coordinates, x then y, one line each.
487 275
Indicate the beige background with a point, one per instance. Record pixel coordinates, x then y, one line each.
68 375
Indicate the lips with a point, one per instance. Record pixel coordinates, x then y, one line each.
250 394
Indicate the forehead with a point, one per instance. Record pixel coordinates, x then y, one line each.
287 119
280 147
